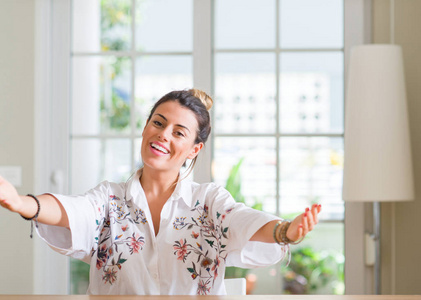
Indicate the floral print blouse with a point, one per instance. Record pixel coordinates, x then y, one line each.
202 231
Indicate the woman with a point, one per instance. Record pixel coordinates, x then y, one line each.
159 233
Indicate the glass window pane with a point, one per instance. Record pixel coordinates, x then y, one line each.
316 267
136 155
311 92
164 25
245 88
157 76
311 172
101 25
266 280
317 264
79 277
245 24
95 160
101 93
257 171
311 24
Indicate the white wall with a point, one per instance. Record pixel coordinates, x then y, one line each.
16 137
401 243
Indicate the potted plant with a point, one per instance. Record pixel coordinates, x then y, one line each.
312 272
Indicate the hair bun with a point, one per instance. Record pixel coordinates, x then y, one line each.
205 98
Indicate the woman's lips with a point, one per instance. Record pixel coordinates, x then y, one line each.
158 149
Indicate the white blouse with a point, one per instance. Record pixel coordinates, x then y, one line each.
202 231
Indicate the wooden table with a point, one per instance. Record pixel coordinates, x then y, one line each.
251 297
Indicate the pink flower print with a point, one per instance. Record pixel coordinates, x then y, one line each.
102 256
113 197
206 262
180 248
135 243
194 235
209 227
99 264
202 288
124 228
110 276
215 266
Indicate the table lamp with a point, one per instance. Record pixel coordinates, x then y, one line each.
377 155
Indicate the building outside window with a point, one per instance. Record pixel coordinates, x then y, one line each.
277 85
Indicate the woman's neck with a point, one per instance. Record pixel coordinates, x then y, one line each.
158 183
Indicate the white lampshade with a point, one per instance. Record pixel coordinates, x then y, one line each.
377 163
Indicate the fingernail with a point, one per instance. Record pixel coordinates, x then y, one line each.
305 215
307 209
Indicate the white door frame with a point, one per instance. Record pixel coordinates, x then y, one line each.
51 110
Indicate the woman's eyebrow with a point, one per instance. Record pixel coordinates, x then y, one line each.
175 124
162 117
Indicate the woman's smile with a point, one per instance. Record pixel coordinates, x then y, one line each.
159 149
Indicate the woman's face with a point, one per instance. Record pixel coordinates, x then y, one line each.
169 136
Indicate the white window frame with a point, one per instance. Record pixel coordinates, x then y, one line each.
52 126
357 20
51 109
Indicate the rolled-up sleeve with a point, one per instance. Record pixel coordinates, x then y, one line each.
86 214
242 223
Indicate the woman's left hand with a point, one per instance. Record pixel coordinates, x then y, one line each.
304 223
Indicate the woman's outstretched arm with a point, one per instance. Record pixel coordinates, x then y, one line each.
51 210
300 226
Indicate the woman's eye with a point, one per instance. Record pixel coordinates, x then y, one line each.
157 123
178 133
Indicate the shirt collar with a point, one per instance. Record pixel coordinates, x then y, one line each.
183 190
133 187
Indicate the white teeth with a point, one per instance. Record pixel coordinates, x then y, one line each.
162 149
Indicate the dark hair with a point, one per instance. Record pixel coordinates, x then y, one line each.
198 102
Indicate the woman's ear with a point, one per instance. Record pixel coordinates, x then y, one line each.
195 151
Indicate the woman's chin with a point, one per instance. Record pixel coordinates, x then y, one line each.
161 167
156 165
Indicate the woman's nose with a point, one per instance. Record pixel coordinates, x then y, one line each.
164 134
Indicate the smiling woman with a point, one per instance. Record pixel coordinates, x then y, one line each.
185 118
158 233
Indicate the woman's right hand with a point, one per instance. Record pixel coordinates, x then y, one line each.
9 197
52 212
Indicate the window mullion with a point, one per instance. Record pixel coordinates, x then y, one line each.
133 79
278 109
202 74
